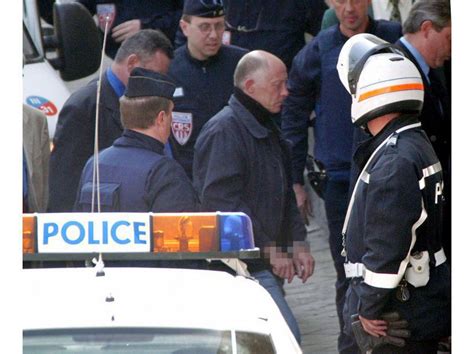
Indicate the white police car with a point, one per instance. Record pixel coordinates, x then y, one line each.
105 309
70 52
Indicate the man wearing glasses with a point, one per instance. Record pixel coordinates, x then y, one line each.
203 70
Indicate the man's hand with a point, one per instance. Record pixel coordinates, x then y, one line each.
125 30
375 328
282 264
303 261
394 329
303 202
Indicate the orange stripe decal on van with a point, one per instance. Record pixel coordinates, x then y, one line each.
395 88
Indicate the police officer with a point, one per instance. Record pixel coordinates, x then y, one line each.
242 164
313 82
74 135
202 70
135 175
127 17
392 232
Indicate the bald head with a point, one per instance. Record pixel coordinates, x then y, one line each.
252 64
262 76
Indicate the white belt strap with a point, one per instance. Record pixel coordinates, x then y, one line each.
354 270
382 280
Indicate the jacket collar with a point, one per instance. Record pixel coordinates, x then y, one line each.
367 147
202 63
131 138
247 119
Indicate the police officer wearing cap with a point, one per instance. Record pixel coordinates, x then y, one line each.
74 136
134 173
202 70
398 300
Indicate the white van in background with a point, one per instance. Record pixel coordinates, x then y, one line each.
68 51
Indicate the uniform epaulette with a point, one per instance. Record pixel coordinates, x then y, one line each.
393 140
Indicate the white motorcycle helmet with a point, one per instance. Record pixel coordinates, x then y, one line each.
379 78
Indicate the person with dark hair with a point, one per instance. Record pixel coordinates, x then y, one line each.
313 86
241 163
280 30
398 300
134 173
127 17
74 136
202 70
427 43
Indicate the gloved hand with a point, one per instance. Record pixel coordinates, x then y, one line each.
396 332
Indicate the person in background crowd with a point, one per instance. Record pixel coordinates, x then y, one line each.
127 17
279 29
241 163
427 43
74 135
313 82
202 70
36 156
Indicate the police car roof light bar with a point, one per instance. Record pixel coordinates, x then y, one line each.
137 236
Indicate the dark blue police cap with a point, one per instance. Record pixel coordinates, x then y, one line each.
143 82
203 8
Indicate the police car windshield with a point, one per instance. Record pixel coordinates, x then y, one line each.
143 340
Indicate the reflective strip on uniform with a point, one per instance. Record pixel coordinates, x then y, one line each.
365 177
440 257
390 281
390 89
429 171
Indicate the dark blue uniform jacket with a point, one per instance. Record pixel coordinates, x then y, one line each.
163 15
240 165
135 176
204 88
74 140
278 28
397 210
314 79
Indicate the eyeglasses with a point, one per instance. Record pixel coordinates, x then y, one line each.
206 28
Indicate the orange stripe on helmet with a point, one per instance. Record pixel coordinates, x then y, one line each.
394 88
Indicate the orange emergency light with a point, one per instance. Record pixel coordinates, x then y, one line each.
29 233
185 233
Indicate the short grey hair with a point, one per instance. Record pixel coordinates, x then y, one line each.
436 11
249 64
144 44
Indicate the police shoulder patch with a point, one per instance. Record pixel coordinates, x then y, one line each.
182 126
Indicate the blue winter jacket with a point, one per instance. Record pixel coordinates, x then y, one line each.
397 211
314 80
203 89
240 166
135 176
